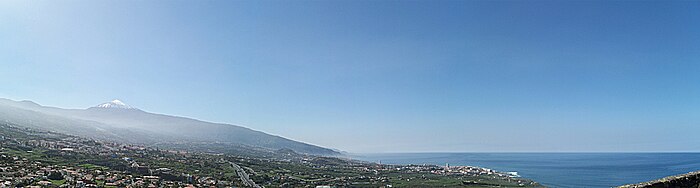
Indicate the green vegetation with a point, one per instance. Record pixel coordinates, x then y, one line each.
57 182
97 160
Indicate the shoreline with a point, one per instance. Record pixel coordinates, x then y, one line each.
563 169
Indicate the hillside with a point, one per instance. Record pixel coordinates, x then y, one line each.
116 121
689 180
48 159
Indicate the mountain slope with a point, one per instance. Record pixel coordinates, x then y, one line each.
119 122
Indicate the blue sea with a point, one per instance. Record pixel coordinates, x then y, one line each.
562 169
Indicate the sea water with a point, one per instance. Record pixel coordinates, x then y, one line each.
561 169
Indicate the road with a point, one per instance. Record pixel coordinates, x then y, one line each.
244 176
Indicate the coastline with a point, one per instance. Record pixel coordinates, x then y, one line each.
561 169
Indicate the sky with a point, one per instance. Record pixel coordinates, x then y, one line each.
377 76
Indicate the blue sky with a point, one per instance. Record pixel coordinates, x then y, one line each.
377 76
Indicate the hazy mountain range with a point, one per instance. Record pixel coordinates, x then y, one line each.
116 121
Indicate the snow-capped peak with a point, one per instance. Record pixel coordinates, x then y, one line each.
114 104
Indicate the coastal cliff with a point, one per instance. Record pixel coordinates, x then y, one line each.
685 180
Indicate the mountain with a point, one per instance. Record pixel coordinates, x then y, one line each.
114 104
117 121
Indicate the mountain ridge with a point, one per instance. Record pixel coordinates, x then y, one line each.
118 123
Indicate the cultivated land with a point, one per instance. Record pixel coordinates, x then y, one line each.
38 158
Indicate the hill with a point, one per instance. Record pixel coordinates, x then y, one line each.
691 179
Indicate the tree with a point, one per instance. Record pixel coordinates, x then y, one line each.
55 175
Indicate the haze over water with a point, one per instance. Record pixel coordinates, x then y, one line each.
551 76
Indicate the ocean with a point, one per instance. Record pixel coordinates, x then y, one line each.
561 169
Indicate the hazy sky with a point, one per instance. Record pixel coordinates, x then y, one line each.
376 76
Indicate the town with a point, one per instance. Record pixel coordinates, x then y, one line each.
32 158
